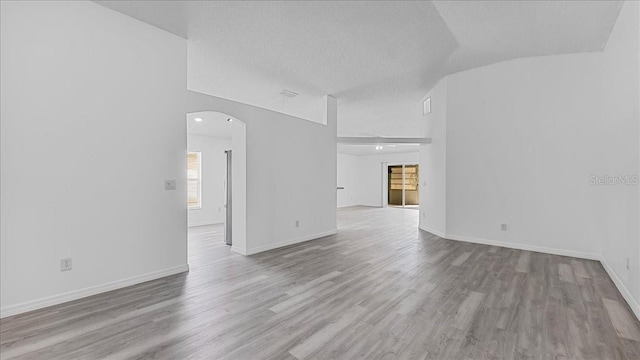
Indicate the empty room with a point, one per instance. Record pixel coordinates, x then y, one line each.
319 179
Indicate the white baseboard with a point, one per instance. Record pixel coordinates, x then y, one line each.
347 206
204 223
433 231
238 250
262 248
89 291
371 205
540 249
633 303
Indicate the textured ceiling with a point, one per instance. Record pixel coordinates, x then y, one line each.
378 58
492 31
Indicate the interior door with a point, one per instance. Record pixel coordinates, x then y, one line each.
228 201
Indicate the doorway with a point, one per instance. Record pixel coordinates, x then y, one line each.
403 183
216 184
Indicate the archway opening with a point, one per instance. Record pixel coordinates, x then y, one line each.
216 185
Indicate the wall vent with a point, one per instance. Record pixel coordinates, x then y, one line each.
426 106
288 93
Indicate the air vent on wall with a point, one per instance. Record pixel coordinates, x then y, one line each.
288 93
426 106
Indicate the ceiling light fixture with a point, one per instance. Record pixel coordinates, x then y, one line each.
378 147
197 119
229 119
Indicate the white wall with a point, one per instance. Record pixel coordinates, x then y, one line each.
433 167
291 173
523 137
620 140
347 173
362 177
370 175
214 168
92 122
520 140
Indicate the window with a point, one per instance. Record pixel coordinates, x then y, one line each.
193 180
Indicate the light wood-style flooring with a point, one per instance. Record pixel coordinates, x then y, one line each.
379 289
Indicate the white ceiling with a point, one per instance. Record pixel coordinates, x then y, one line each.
213 124
379 58
492 31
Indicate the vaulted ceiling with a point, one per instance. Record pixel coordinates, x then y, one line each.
379 58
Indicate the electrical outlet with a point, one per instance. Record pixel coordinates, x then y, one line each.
503 227
628 263
65 264
169 184
297 223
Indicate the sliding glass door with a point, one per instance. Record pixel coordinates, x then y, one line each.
403 185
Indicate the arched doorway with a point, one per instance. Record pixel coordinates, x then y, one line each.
216 176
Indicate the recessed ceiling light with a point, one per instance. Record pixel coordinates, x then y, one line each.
197 119
378 147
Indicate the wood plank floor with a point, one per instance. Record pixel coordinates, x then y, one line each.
380 289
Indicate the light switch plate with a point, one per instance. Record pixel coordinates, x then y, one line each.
169 184
66 264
